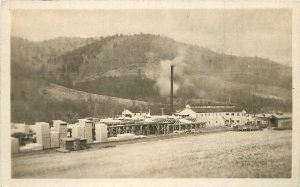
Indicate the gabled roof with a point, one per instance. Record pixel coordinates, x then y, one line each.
282 116
126 111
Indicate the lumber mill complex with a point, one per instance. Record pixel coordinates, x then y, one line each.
131 125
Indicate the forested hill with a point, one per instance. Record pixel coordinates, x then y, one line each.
137 67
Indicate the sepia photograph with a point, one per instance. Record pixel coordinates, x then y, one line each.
166 93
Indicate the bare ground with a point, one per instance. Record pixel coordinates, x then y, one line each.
263 154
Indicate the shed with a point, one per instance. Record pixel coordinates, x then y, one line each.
281 121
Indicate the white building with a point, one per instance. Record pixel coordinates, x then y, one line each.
216 115
135 114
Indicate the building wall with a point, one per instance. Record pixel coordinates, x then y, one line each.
140 114
284 124
222 118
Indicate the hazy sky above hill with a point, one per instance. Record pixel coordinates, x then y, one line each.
265 33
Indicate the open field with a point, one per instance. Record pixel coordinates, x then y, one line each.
262 154
62 93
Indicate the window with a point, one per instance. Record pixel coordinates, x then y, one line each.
227 114
238 114
232 121
205 114
201 114
227 120
208 114
232 114
238 121
216 121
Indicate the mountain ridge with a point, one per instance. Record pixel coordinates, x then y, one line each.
137 67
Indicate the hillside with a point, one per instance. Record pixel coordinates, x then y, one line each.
37 100
137 67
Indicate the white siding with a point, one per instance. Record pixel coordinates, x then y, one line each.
221 118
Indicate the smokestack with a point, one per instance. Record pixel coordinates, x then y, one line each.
171 99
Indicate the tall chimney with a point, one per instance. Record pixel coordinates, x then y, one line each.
171 99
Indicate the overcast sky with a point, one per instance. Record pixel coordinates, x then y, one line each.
258 32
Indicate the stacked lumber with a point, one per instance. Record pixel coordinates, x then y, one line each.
54 139
88 135
61 127
101 132
126 136
24 149
14 145
78 131
77 144
88 128
83 143
35 146
43 134
114 139
67 144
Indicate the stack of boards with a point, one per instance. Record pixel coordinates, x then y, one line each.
123 137
56 136
43 134
78 131
50 139
31 147
60 127
54 139
126 136
101 132
88 130
14 145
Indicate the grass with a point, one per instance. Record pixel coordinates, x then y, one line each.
260 154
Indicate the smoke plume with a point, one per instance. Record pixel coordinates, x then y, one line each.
162 75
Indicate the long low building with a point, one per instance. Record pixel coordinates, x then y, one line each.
281 121
220 115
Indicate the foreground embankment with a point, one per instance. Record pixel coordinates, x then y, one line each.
263 154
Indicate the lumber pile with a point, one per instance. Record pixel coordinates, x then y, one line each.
67 144
25 148
14 145
60 127
77 146
101 132
83 143
78 131
88 128
54 139
126 136
43 134
35 146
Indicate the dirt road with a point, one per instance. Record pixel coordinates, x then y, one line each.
263 154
